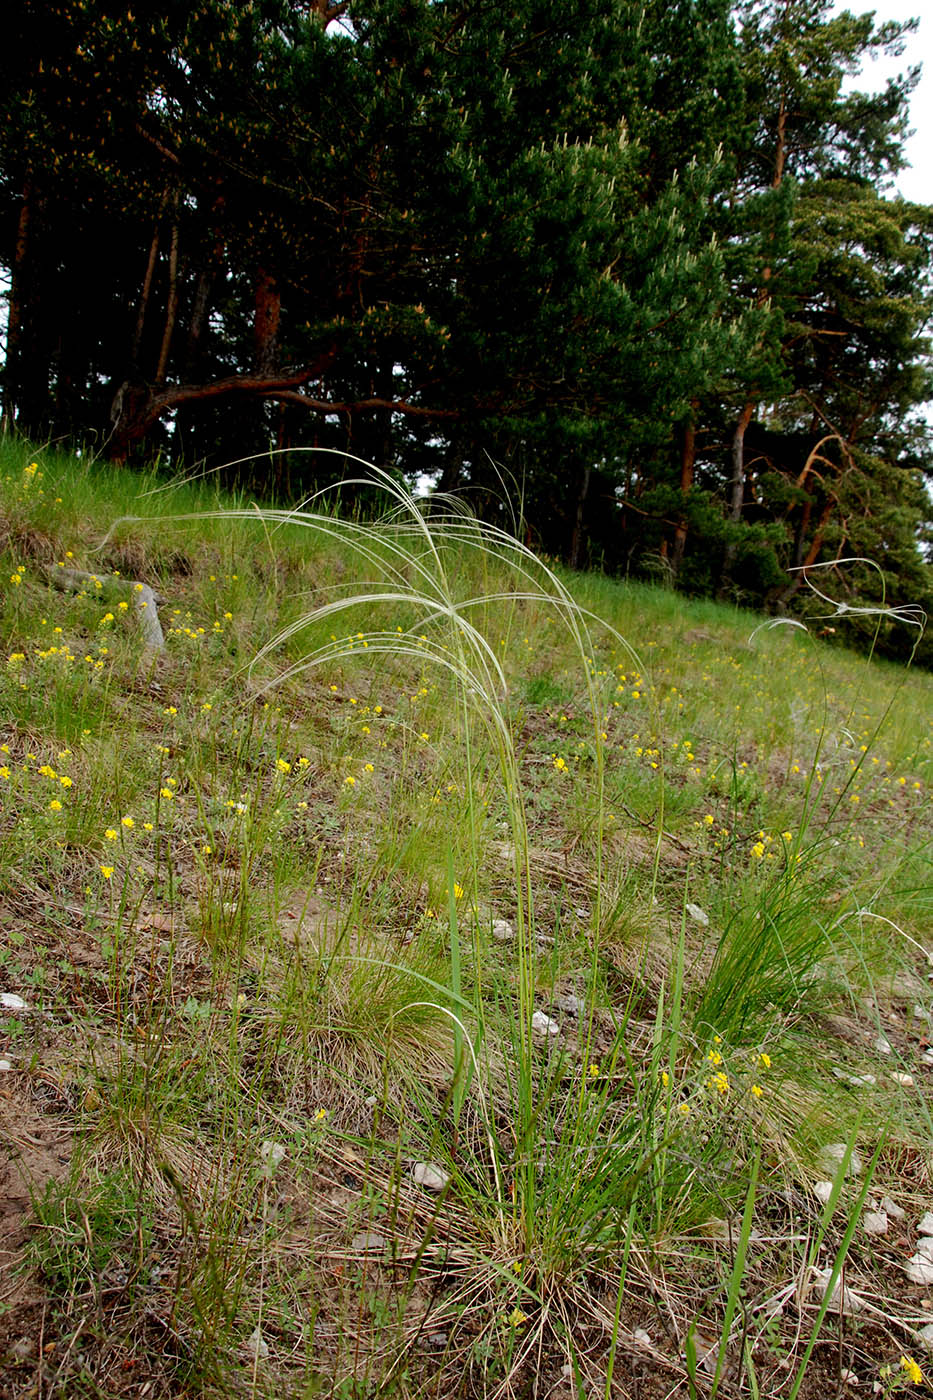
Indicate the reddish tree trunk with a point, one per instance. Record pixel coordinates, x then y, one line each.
687 468
268 309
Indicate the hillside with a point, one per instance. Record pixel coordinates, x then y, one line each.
430 973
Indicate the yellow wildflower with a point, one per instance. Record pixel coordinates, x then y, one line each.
911 1370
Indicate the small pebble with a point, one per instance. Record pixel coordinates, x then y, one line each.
893 1209
926 1336
368 1242
257 1346
572 1005
926 1224
823 1190
850 1302
430 1176
641 1337
883 1045
906 1080
543 1026
875 1222
925 1247
833 1154
272 1153
919 1269
9 1001
502 931
5 1066
698 915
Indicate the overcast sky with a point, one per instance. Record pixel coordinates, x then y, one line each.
915 183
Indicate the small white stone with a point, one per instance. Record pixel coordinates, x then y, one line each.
848 1377
905 1080
272 1153
5 1066
856 1080
641 1337
833 1154
839 1298
502 931
927 1057
257 1346
698 915
926 1336
883 1045
430 1176
571 1004
370 1102
566 1370
823 1190
926 1224
542 1025
893 1209
875 1222
9 1001
922 1012
919 1269
925 1247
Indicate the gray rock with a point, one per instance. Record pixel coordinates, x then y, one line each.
569 1003
833 1154
543 1026
919 1269
257 1346
430 1176
368 1242
875 1222
840 1299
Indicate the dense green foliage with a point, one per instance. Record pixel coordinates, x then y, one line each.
639 260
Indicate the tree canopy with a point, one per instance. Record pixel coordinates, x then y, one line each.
640 257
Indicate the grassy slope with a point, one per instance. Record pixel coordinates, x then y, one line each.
280 946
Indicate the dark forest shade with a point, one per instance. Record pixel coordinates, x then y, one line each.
639 259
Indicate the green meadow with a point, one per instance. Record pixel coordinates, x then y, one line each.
431 972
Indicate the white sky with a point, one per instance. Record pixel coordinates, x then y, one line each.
915 183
